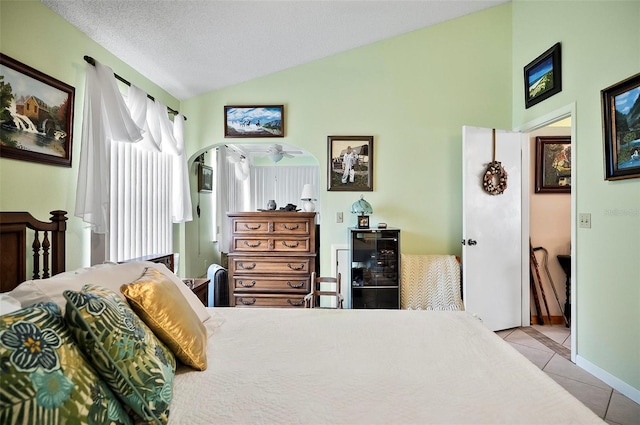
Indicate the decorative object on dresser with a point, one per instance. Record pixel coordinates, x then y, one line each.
375 268
271 257
308 196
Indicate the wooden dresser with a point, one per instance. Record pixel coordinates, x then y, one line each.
271 257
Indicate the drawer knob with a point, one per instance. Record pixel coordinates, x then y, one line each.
296 285
247 285
256 227
244 267
291 245
247 301
296 303
287 227
254 245
292 267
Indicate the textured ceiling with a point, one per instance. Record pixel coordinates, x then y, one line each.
192 47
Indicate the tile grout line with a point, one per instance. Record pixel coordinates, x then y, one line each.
547 342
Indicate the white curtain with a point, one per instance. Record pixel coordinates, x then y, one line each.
106 118
233 193
132 191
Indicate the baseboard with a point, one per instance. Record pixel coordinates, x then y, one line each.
616 383
555 320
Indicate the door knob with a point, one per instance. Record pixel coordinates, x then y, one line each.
472 242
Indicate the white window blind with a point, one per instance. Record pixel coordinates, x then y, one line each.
282 184
140 211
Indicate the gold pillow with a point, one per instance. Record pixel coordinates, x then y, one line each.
160 304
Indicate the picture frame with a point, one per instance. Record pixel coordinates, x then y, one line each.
36 115
363 222
621 128
205 178
350 163
553 164
254 121
543 77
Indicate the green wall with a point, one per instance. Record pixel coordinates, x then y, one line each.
600 46
31 33
413 93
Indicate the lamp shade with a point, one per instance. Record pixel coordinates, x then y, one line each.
361 207
308 192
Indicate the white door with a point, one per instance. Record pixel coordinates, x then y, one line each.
491 229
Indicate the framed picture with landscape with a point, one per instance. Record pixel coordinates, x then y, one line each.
36 115
621 127
350 163
543 77
553 164
254 121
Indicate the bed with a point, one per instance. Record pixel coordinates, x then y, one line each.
316 366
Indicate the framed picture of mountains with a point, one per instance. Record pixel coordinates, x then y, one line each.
36 115
543 77
254 121
621 127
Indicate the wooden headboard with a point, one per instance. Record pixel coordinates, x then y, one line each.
47 245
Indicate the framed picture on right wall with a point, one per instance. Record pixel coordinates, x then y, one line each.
621 127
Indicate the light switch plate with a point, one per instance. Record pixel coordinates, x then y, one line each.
584 220
339 217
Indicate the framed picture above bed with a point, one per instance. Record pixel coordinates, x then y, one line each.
621 126
36 115
254 121
543 77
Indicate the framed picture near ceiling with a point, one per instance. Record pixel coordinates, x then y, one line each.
543 77
36 115
621 126
350 163
254 121
553 164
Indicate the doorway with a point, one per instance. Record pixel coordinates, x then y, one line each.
552 222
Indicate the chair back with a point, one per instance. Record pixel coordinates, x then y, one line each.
319 289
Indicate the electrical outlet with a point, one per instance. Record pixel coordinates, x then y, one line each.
339 217
584 220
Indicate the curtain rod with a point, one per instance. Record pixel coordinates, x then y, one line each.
92 61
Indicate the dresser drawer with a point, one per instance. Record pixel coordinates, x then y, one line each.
270 244
251 226
286 225
271 284
268 300
273 265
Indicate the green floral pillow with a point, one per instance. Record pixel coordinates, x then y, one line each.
45 378
126 353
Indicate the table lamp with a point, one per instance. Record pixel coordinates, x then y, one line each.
308 196
363 209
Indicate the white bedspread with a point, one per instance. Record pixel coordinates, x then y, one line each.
314 366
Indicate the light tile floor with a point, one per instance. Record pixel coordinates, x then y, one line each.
613 407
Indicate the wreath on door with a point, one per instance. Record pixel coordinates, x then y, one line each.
494 181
